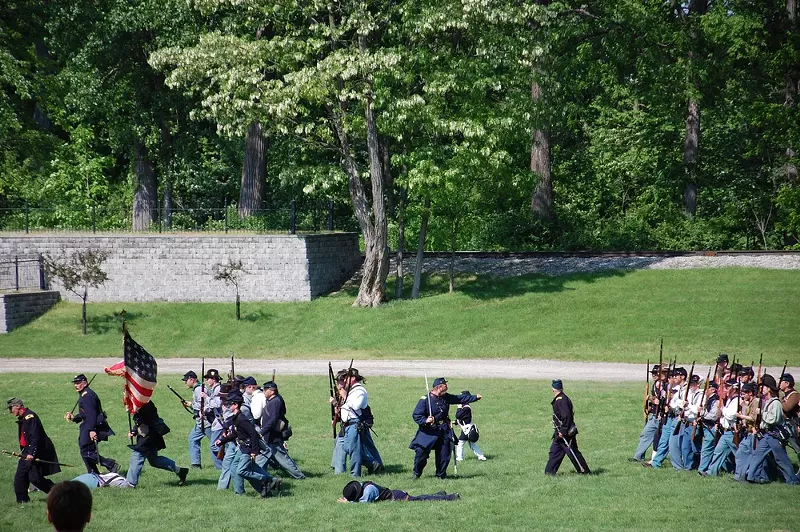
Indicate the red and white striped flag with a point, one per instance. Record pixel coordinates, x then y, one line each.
139 369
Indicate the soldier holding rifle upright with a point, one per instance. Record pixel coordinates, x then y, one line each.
791 409
669 442
351 409
725 446
653 400
565 442
206 403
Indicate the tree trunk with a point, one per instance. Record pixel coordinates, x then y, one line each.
453 254
792 82
83 310
420 247
542 201
254 172
145 200
401 244
690 146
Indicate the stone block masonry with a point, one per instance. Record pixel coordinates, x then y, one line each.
20 308
181 268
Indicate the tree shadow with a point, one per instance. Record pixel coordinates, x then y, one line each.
258 315
106 323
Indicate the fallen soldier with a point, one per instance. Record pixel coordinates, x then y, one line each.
368 491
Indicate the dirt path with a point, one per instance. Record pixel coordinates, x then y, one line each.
485 368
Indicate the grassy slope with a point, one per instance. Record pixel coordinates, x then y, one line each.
509 492
612 316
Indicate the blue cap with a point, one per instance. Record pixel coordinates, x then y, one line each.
270 385
189 375
234 396
788 378
80 377
558 385
249 381
439 381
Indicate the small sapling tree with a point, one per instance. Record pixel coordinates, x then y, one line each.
77 272
231 273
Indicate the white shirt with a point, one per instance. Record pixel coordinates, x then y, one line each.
257 403
356 400
729 412
693 404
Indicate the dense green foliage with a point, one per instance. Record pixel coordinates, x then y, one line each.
508 492
85 87
604 317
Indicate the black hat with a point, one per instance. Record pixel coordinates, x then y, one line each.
557 384
731 382
749 387
249 381
656 369
189 375
735 368
681 372
439 381
80 377
14 401
747 371
713 384
722 358
352 491
234 396
788 378
211 374
769 381
270 385
695 379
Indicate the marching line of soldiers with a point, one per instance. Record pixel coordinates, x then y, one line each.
735 421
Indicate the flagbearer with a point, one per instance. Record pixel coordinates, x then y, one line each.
93 429
149 430
37 452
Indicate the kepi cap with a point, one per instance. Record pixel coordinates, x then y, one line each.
438 381
270 385
788 378
80 377
14 401
249 381
557 384
189 375
234 396
722 358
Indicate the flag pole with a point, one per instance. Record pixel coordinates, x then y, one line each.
127 401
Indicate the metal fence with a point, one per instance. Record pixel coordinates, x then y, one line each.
303 217
22 273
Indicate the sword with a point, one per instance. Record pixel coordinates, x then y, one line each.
11 453
569 448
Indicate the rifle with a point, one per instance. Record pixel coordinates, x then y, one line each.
334 396
428 395
232 376
663 406
18 455
273 375
183 401
79 397
738 406
685 399
703 401
758 399
647 390
780 377
202 399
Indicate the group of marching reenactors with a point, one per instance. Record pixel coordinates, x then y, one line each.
737 420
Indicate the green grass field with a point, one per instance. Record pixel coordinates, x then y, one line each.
611 316
508 492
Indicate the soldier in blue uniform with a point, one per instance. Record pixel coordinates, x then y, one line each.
244 433
93 429
435 432
356 491
564 434
275 431
209 421
36 450
149 430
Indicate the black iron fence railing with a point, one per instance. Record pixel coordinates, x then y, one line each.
22 273
305 217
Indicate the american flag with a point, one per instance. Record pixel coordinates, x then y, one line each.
139 369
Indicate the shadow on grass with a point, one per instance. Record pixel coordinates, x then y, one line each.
485 287
257 316
106 323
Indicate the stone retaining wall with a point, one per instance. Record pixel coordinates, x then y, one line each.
181 268
20 308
